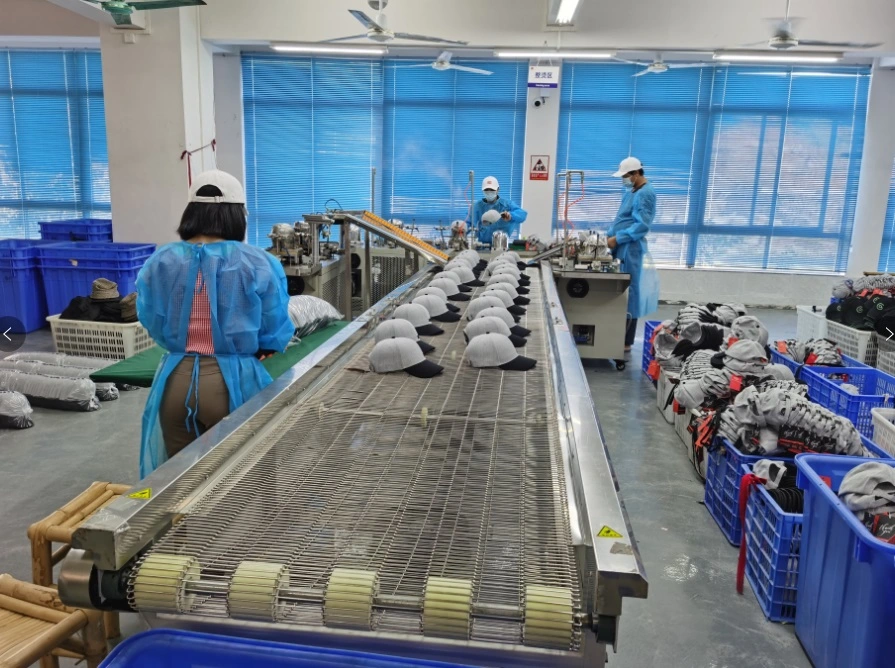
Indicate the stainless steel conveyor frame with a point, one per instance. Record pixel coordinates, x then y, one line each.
606 554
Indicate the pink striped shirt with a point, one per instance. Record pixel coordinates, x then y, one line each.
199 339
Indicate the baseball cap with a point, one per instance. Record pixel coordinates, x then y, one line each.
509 290
491 325
438 292
466 275
507 317
400 329
437 309
503 262
418 316
479 304
391 355
496 350
515 309
490 216
628 165
749 327
465 260
229 185
450 288
455 277
490 183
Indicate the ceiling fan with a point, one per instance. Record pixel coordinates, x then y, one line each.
378 31
443 63
121 11
784 36
659 66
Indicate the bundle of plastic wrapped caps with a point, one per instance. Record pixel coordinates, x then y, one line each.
309 314
865 303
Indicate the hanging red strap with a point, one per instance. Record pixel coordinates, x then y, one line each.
746 484
189 154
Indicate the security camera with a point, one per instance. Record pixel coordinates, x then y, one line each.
542 99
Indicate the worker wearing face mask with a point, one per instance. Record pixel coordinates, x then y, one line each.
511 216
627 239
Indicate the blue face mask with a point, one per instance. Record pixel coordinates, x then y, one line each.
490 195
628 182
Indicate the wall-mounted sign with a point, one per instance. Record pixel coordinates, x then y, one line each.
543 76
540 168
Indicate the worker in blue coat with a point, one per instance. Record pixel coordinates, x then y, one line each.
511 215
627 239
217 306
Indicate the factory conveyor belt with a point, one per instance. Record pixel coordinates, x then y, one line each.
446 517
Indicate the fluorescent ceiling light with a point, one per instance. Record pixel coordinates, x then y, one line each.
566 12
769 57
322 48
584 55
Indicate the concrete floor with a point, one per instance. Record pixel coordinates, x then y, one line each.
693 616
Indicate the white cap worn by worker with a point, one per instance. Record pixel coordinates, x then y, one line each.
490 183
229 185
628 165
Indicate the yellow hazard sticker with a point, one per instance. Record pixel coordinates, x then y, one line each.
143 494
607 532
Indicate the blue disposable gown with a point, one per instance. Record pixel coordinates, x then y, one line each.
511 226
249 312
632 224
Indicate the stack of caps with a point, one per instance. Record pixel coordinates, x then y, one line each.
441 294
398 348
437 308
129 308
464 272
450 287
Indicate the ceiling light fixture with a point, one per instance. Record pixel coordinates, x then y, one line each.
581 55
784 57
566 13
331 50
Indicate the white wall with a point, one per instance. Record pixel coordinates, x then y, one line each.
540 139
228 117
37 17
765 288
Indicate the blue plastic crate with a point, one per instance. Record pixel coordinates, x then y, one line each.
165 648
773 543
63 285
796 368
649 327
846 591
86 252
21 283
877 390
83 229
724 470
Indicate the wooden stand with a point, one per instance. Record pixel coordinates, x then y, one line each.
58 527
35 625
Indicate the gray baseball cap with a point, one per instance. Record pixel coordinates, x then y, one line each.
400 329
505 298
496 350
450 288
418 316
455 277
390 355
491 325
511 291
465 273
437 309
507 317
479 304
441 294
495 265
503 278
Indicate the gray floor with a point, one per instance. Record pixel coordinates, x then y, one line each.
693 616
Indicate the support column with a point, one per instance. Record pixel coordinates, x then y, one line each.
159 100
876 174
541 139
228 117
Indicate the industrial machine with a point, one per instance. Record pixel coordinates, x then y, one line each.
471 517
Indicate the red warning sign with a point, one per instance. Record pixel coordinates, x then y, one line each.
540 168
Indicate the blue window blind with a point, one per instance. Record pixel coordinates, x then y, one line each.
754 167
887 252
53 158
439 126
311 134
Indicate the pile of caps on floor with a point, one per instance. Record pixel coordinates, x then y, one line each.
492 314
866 303
103 305
719 358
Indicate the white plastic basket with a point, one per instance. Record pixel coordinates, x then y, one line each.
885 361
663 389
810 323
884 428
682 424
857 344
106 340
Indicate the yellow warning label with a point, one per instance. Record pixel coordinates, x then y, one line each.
607 532
143 494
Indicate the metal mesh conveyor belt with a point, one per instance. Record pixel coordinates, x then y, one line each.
454 477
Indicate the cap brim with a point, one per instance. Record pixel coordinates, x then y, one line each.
426 347
524 280
519 364
464 288
619 174
460 297
482 264
522 291
437 269
452 308
521 301
429 330
447 316
475 284
519 331
516 310
518 341
425 369
522 266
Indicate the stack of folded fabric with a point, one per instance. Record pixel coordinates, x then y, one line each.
814 352
730 369
103 305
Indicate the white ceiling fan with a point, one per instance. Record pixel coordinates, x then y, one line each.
443 63
659 66
784 36
378 31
